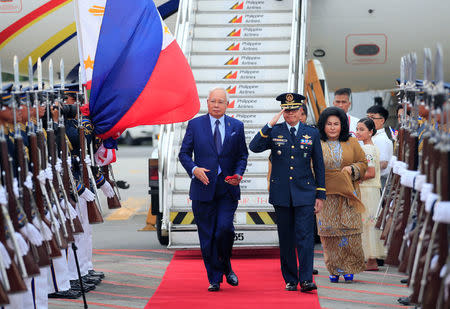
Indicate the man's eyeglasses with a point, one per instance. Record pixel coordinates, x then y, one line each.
375 118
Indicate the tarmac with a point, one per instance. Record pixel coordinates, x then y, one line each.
134 262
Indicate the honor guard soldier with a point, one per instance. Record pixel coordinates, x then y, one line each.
297 188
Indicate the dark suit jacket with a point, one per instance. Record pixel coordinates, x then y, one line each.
291 164
232 160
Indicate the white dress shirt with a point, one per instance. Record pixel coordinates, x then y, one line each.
384 144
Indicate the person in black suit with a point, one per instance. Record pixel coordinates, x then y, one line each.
295 192
218 145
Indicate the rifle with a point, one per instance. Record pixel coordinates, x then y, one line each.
13 274
94 213
66 181
60 239
68 226
113 202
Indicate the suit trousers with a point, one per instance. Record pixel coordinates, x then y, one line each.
296 230
215 227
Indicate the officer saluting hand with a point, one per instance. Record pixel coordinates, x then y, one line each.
295 192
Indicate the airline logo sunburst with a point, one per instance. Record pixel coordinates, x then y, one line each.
238 6
231 75
232 61
234 46
236 20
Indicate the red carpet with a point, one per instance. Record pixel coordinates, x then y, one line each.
260 284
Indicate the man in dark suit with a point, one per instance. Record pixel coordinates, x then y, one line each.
295 192
218 144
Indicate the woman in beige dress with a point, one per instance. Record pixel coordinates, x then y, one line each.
370 195
339 223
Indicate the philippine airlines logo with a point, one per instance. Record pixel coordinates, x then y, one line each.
232 61
238 6
235 33
231 104
234 46
236 20
231 90
231 75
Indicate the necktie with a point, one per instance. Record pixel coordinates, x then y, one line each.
217 137
293 133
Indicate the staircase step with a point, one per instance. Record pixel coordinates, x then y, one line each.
247 236
238 61
243 5
246 104
236 45
240 18
245 32
261 89
230 74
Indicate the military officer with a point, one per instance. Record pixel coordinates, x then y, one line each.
297 188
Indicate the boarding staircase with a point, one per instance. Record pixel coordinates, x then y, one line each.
256 50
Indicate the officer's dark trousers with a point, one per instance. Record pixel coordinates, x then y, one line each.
214 221
296 229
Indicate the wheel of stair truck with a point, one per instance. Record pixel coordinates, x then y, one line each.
163 240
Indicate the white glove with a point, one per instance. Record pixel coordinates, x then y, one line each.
62 203
16 187
5 256
45 230
73 212
58 165
49 173
431 199
23 246
53 223
28 181
87 195
32 234
3 198
426 189
399 167
442 212
87 160
42 177
55 211
107 189
392 161
420 180
69 161
407 178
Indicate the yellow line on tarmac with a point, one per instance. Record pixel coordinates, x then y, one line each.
129 208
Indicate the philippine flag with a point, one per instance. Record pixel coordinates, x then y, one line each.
139 73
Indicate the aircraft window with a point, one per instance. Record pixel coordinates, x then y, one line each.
366 50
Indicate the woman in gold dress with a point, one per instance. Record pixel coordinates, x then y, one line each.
339 223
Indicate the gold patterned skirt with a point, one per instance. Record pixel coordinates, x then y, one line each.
339 227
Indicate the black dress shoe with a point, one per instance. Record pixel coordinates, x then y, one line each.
315 271
380 262
404 281
75 285
91 280
307 286
404 301
96 273
69 294
214 287
290 286
232 279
